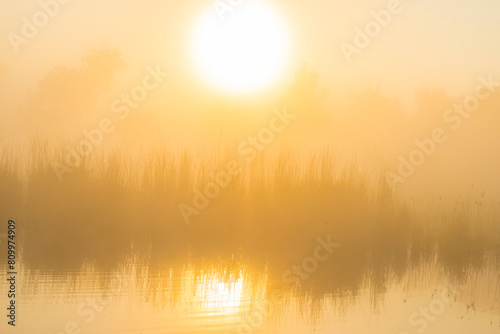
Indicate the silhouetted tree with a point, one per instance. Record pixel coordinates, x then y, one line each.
66 94
304 96
431 105
373 122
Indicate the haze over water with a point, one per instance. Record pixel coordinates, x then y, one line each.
250 167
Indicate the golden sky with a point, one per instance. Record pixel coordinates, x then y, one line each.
439 43
423 44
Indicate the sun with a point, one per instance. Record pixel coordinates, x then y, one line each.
241 50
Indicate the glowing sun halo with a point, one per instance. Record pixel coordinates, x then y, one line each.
243 51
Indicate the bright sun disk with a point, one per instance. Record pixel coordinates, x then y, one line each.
244 51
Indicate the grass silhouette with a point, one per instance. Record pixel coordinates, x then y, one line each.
122 201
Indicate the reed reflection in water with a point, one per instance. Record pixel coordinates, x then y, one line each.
197 298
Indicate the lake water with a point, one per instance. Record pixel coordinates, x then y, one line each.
239 297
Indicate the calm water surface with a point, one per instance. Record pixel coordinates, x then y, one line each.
215 298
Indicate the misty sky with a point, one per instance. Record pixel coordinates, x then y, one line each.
439 43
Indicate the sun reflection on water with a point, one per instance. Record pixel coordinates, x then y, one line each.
218 296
